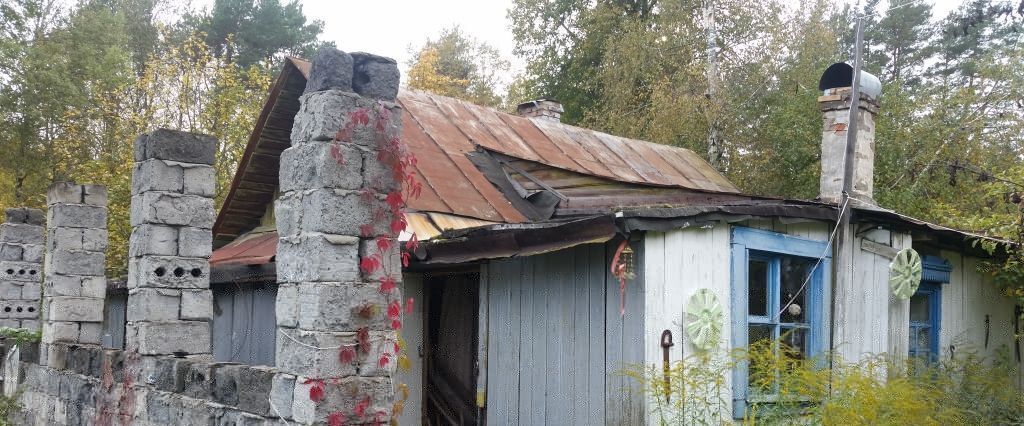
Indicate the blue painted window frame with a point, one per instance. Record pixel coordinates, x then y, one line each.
747 242
933 291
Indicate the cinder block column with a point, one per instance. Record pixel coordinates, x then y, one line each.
169 301
333 319
76 244
21 268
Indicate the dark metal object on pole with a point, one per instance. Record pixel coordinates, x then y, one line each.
666 343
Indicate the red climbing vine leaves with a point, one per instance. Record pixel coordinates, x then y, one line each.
395 158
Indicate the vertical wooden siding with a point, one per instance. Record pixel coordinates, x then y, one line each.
114 316
556 342
966 300
244 323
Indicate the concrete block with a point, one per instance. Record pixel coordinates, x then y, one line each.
94 239
75 309
196 379
63 285
10 252
90 333
149 239
95 287
377 175
254 389
164 338
168 272
322 114
196 305
94 195
391 260
337 306
20 271
337 212
64 238
200 180
31 291
375 76
318 257
19 309
10 290
153 304
20 233
167 144
225 384
24 215
64 192
157 175
56 357
297 358
281 392
60 332
33 253
75 216
382 343
287 305
342 397
331 70
166 208
30 324
195 242
15 215
75 262
311 166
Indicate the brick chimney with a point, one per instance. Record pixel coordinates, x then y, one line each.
836 85
548 109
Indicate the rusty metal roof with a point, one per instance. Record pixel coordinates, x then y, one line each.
441 131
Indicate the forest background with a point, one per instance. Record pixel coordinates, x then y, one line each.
735 81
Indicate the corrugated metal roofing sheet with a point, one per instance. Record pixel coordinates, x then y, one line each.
441 130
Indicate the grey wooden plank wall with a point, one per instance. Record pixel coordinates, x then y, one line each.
114 317
244 323
556 342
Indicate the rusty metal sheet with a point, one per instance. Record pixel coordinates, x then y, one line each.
602 154
642 166
452 178
648 152
505 139
249 249
559 135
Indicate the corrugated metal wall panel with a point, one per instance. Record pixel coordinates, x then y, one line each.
557 344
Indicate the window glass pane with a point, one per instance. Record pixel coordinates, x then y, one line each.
758 286
794 341
919 308
794 272
923 337
759 379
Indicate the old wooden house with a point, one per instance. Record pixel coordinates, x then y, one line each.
519 317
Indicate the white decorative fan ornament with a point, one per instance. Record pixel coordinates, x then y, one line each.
905 273
704 320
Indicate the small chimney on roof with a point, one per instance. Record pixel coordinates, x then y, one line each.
548 109
836 84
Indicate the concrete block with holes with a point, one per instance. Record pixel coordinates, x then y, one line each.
172 210
75 256
21 267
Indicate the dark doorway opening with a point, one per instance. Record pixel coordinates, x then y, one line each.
451 367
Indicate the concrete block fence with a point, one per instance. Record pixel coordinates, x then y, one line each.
166 375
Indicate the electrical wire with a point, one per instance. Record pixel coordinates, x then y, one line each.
824 254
